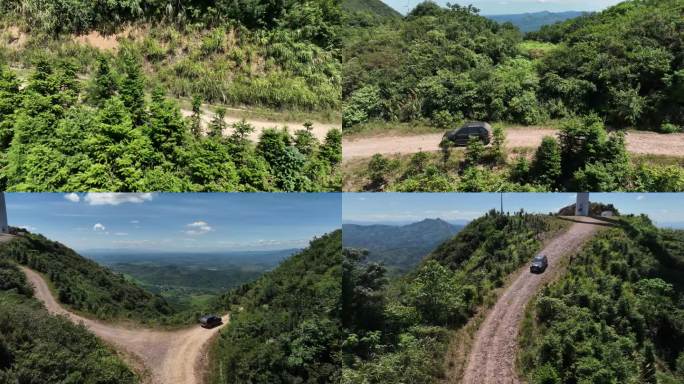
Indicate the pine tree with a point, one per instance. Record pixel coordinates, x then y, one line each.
104 85
133 88
196 119
218 123
166 127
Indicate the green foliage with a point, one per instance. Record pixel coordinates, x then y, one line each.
288 328
378 169
122 142
85 286
399 332
615 313
443 63
474 151
36 347
547 163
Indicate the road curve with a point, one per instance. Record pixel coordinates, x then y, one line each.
493 355
168 357
637 142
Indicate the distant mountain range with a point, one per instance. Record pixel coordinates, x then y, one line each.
374 7
530 22
400 248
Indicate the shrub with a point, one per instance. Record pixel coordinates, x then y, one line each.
379 169
546 166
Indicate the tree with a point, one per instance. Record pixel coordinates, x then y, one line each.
474 151
218 123
132 88
546 166
331 150
104 84
196 118
166 127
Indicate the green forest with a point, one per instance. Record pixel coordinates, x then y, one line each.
57 135
285 326
398 330
447 65
86 287
616 316
36 348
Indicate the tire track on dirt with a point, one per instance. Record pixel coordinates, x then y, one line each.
169 357
493 355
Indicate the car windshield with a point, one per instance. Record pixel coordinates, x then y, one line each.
539 258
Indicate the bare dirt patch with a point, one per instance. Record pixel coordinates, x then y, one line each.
167 357
320 130
637 142
494 351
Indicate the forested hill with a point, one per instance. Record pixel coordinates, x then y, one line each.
373 7
285 327
398 331
616 315
83 285
529 22
399 248
447 65
36 347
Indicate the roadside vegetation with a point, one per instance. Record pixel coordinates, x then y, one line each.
36 347
87 288
617 315
447 65
58 133
282 55
583 157
285 326
399 330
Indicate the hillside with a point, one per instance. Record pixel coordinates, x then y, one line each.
373 7
36 347
399 331
462 66
530 22
618 313
399 248
84 286
285 326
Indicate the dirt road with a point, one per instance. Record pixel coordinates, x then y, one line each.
169 357
637 142
493 355
319 129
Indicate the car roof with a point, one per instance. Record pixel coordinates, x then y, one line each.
539 257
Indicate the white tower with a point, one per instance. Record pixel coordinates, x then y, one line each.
4 228
582 204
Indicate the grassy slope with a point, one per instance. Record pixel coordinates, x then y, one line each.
375 7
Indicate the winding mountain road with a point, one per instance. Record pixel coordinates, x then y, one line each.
637 142
167 357
493 355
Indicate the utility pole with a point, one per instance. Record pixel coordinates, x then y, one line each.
501 202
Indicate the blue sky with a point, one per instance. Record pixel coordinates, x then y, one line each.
666 209
496 7
177 221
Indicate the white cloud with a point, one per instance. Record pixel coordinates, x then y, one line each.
120 234
640 197
112 198
198 228
99 227
135 222
73 197
29 228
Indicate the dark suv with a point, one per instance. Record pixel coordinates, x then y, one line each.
210 321
461 136
539 264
